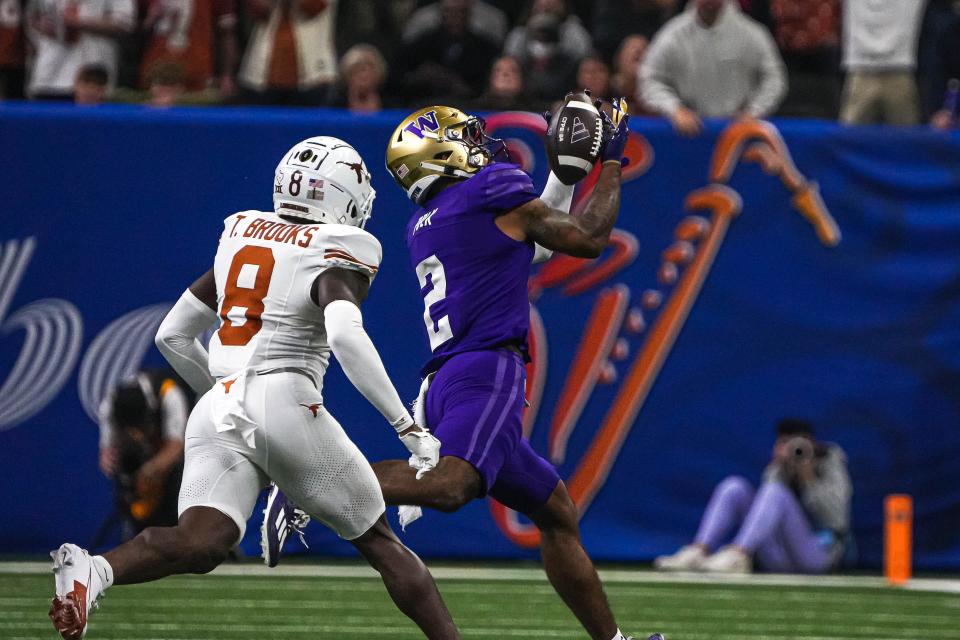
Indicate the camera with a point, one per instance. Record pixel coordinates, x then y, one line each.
800 448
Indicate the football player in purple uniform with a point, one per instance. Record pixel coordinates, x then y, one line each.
480 226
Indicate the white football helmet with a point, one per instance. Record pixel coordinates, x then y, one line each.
324 179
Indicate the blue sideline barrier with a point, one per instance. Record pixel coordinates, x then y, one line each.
109 213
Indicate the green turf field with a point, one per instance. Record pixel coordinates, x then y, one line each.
264 607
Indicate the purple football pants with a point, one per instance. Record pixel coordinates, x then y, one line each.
772 526
475 407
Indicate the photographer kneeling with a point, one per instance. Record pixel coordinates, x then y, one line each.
796 522
142 423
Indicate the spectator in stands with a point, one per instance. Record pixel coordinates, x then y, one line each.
549 71
759 10
880 56
573 38
798 521
166 87
290 58
193 33
948 117
593 74
142 425
807 27
614 20
939 62
513 10
626 74
168 84
482 20
808 33
450 60
380 21
506 90
11 49
362 74
91 86
69 35
712 61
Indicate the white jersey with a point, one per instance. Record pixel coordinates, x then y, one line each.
264 269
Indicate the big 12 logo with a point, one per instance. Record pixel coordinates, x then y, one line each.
54 330
52 344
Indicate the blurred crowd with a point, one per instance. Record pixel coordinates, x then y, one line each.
862 61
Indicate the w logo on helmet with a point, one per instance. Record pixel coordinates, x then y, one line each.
427 121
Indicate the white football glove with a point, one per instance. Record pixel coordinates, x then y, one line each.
424 450
420 404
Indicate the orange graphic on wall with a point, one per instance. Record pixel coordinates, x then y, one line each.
685 266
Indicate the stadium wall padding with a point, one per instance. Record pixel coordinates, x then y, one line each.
107 214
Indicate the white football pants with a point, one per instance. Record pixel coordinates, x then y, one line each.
250 428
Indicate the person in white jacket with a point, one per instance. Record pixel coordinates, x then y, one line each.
712 61
291 57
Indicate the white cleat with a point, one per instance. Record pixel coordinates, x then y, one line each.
79 587
688 558
728 560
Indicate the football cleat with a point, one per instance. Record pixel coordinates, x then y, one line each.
78 590
280 518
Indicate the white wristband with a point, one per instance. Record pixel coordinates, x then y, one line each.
403 423
559 196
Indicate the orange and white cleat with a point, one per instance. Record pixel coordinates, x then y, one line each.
79 587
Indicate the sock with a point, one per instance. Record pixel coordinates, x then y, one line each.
619 635
104 570
409 514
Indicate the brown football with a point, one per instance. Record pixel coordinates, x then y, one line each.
574 138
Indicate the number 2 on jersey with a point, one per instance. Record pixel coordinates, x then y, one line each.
439 330
246 287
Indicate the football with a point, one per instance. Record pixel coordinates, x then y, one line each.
574 138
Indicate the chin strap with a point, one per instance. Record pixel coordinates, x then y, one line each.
449 172
421 187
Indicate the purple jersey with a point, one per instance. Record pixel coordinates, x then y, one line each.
473 278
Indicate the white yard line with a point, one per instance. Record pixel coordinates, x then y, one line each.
619 576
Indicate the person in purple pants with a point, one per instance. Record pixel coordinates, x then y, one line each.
796 522
479 227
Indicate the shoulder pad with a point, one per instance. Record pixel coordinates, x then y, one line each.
504 187
350 247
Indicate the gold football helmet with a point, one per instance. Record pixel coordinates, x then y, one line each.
438 142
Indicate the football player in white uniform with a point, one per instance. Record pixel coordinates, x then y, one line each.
286 288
